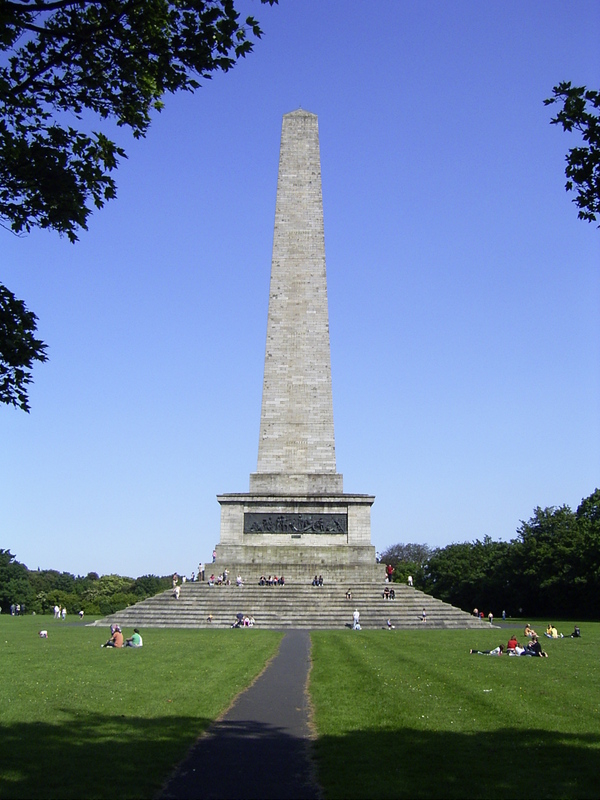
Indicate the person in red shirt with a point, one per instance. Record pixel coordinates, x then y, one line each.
389 569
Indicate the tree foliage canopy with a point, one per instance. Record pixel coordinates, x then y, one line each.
40 590
114 58
64 64
580 112
19 348
407 559
551 567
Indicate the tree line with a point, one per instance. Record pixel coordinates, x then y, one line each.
40 590
551 567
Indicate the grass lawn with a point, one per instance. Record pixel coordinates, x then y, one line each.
80 721
412 714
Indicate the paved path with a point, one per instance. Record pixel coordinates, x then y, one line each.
260 749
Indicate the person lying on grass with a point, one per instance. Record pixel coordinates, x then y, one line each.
497 651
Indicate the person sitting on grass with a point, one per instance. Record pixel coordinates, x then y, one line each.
552 633
512 643
116 639
135 640
534 648
497 651
529 632
576 633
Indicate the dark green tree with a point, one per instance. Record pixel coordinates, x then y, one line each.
407 559
580 112
19 348
14 584
471 575
148 585
588 522
72 61
546 562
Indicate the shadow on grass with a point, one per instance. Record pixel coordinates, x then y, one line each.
93 755
428 764
245 759
100 757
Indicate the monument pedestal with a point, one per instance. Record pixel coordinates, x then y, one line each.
298 536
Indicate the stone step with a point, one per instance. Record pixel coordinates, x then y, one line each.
292 606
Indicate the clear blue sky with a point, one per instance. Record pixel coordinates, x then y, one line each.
463 292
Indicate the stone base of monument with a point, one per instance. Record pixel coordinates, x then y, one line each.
299 606
352 565
298 535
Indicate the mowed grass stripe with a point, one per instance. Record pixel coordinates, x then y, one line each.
412 714
80 721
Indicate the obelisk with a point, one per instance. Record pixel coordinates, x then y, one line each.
296 519
296 450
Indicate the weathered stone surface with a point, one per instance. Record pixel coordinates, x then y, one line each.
296 469
296 426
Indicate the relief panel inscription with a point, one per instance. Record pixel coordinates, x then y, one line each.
295 523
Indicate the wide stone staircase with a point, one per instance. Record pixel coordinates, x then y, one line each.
292 606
